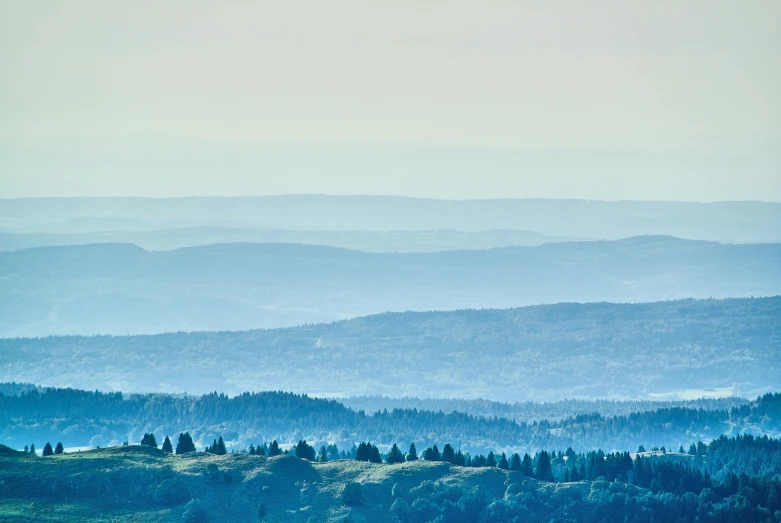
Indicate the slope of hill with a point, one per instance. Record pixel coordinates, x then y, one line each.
719 221
533 353
122 289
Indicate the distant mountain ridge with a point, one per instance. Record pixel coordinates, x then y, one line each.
123 289
540 353
369 241
717 221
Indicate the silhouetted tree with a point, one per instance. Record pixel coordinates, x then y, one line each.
32 449
322 457
273 449
149 440
490 461
167 447
59 449
448 454
305 451
432 454
185 443
515 462
544 471
412 455
395 455
526 466
47 449
503 462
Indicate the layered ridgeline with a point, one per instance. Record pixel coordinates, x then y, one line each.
123 289
82 418
685 348
718 221
369 241
729 480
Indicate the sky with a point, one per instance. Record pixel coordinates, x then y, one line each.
665 100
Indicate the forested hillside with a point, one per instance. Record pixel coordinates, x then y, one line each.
538 353
528 411
131 483
81 418
123 289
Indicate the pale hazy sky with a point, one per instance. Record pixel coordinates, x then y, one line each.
621 99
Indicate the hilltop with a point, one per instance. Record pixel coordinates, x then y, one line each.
136 483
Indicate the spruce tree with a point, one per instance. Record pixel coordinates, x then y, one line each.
274 449
526 466
185 443
251 449
544 471
260 450
167 447
395 455
459 459
515 462
149 440
32 449
448 454
59 449
374 454
26 449
47 449
503 462
322 456
305 451
220 449
412 455
490 461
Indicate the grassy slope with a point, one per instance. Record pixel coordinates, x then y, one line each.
123 484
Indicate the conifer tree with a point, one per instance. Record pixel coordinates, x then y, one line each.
32 449
260 450
185 443
448 454
395 455
251 449
220 449
503 462
544 471
305 451
167 447
490 461
459 458
149 440
322 456
26 449
526 466
374 454
59 449
47 449
412 455
515 462
274 449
